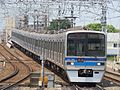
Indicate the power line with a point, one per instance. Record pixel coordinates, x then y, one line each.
98 8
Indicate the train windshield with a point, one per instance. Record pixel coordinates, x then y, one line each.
85 44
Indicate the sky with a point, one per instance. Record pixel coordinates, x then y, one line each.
1 25
85 15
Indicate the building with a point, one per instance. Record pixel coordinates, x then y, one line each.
113 43
9 25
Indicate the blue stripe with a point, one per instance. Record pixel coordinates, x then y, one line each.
86 64
85 59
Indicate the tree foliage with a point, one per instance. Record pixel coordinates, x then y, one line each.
98 27
59 24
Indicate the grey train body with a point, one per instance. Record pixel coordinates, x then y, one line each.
80 65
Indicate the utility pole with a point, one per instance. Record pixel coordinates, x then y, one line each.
72 18
103 18
41 79
42 74
37 22
59 14
46 23
34 22
72 11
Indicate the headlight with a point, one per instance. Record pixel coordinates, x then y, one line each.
70 63
100 64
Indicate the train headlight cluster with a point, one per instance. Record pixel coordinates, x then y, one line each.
70 63
100 64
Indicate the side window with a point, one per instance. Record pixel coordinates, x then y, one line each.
115 45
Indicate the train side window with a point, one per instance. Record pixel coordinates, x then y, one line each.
55 46
33 42
39 43
56 49
44 46
52 45
48 45
26 39
60 47
36 42
30 40
63 47
41 46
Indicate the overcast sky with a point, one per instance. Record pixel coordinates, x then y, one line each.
92 15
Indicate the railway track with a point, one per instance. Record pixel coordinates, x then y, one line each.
88 88
77 87
115 77
11 74
20 73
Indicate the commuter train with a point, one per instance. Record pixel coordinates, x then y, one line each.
80 55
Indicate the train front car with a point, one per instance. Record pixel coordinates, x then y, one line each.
85 56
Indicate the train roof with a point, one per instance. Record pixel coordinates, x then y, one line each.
58 36
35 35
89 31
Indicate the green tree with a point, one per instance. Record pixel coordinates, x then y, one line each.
98 27
111 28
59 24
94 26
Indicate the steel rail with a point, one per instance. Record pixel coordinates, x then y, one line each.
22 79
115 77
15 72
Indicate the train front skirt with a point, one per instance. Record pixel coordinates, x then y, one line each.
87 76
